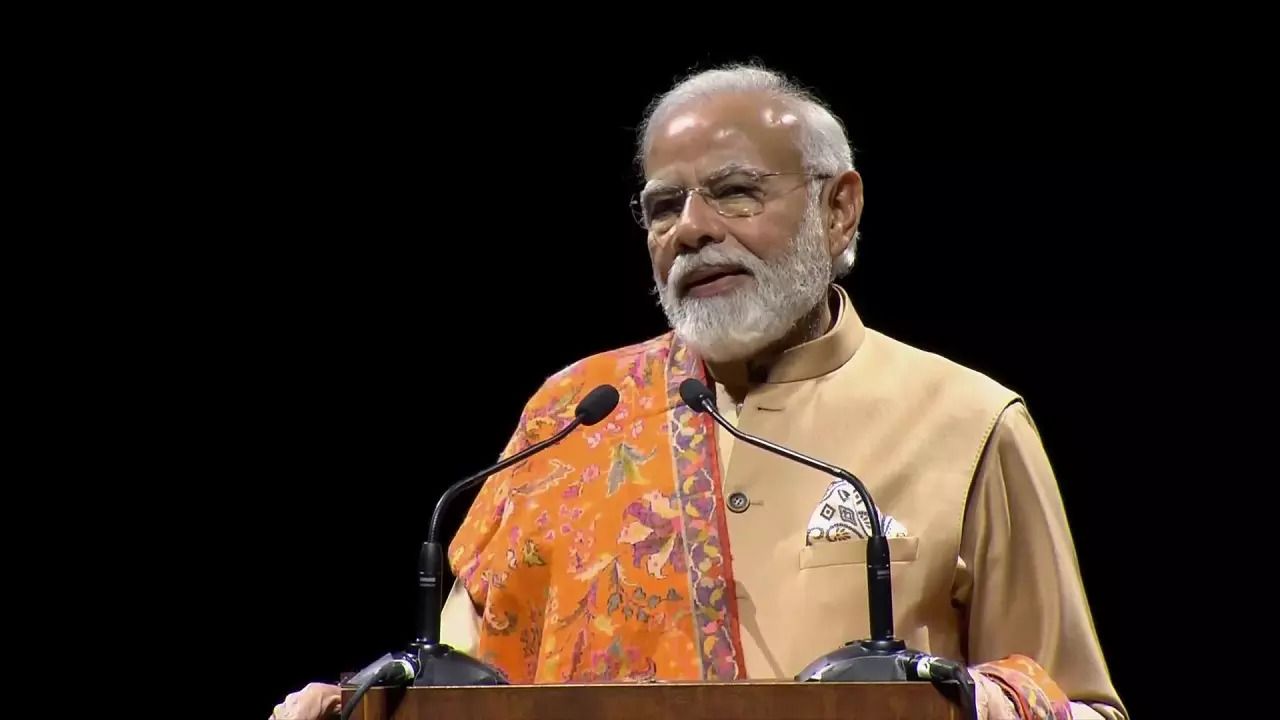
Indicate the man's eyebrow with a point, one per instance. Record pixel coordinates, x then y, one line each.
656 186
720 173
733 168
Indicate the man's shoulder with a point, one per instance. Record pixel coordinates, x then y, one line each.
935 373
645 359
616 360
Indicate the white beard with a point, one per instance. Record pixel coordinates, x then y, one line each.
737 324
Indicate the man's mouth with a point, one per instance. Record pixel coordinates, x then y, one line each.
707 275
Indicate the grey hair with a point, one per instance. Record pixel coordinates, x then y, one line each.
824 145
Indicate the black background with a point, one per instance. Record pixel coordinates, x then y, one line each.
405 246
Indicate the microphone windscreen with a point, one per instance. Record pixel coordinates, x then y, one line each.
597 405
695 394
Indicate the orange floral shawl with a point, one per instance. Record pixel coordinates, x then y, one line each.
605 558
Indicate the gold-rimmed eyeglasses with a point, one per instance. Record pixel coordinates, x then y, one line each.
735 194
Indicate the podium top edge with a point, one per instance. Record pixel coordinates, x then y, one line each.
650 683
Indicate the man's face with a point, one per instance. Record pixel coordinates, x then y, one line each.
738 263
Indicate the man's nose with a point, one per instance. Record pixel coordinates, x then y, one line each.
699 225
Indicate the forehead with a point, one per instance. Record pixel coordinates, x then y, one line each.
705 135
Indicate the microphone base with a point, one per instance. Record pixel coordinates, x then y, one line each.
441 665
862 661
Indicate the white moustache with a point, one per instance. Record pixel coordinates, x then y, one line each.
711 256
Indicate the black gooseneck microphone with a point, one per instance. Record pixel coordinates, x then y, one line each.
439 664
882 658
430 662
696 395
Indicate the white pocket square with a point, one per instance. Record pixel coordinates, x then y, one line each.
841 515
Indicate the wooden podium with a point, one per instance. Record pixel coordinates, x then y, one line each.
660 701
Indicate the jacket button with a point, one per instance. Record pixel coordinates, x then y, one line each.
738 502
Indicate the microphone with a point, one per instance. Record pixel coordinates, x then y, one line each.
952 678
881 657
430 662
440 664
389 670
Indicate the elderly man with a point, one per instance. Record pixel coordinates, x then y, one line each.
652 547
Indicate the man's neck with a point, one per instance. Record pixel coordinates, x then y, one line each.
740 376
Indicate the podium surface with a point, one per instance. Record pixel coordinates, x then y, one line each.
659 701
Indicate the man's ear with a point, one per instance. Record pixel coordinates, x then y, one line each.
846 211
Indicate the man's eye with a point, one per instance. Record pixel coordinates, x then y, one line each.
736 189
663 206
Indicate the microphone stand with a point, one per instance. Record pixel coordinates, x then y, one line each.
882 657
438 663
430 662
875 659
435 663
